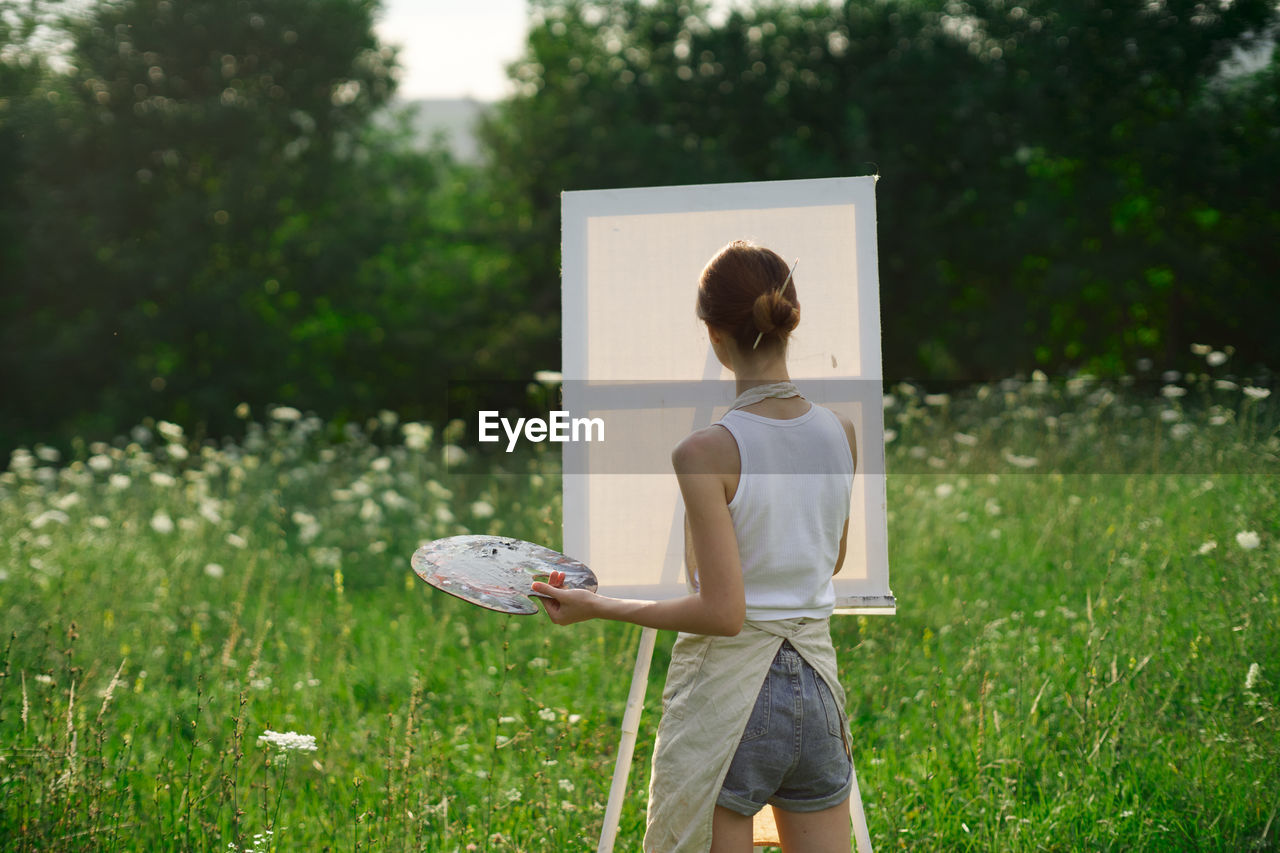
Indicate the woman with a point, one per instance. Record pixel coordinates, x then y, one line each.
753 711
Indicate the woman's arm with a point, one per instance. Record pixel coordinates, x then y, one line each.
706 464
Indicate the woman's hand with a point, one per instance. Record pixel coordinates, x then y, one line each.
565 606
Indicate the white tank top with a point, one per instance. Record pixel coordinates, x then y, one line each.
789 510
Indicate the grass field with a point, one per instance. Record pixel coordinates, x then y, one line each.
1086 654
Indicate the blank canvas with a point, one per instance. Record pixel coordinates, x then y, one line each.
636 356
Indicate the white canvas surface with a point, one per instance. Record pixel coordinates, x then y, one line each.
635 355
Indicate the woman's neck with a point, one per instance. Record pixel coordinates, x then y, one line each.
764 369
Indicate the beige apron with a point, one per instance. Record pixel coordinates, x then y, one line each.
711 688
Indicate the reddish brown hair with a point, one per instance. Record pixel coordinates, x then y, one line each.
741 293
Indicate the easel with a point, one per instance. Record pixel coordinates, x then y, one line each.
619 296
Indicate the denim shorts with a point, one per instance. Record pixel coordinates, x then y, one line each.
794 752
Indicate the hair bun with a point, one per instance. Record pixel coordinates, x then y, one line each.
773 312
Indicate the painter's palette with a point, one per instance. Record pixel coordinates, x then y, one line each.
496 572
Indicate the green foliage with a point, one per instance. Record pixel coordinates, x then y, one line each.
201 213
1039 159
197 210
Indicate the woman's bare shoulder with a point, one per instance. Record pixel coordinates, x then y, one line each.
711 450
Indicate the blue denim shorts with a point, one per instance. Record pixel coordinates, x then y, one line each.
794 752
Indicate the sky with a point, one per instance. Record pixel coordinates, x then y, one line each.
461 48
454 48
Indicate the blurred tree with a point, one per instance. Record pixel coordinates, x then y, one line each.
1038 207
174 205
201 212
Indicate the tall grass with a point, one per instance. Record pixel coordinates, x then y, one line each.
1085 586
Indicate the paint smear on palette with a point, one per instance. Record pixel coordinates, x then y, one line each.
496 572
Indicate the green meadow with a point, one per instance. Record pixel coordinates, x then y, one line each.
1085 655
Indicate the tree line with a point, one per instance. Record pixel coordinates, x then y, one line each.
198 207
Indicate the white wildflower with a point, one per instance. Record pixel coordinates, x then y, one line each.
417 436
392 499
242 411
171 431
890 435
288 741
482 509
1254 675
214 570
161 479
67 501
1225 385
1206 547
1181 432
454 455
937 399
119 481
370 511
1217 358
285 414
388 418
513 795
101 522
21 461
328 557
237 541
1248 539
51 516
965 439
100 463
547 715
161 522
381 464
548 377
176 452
1256 393
1170 415
993 507
1201 349
944 490
209 511
502 721
566 786
47 454
1173 391
1020 461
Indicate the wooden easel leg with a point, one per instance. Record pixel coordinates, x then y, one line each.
859 817
627 743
